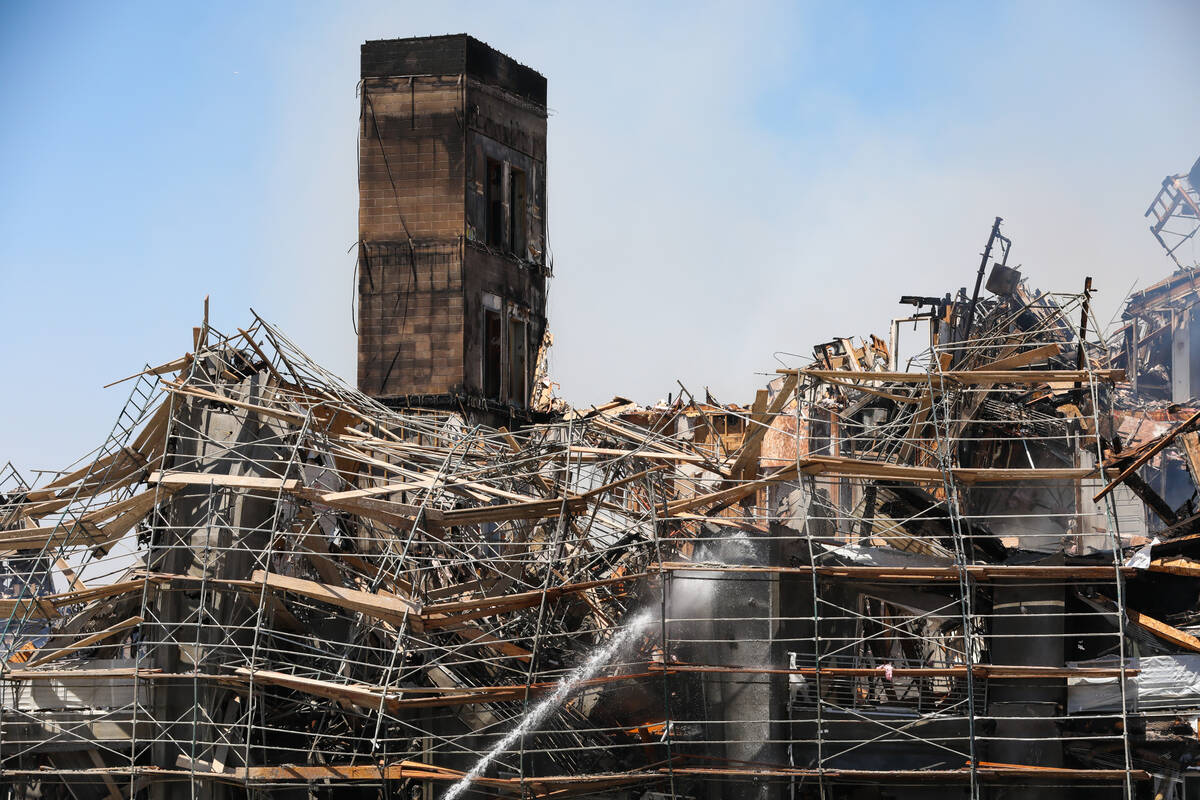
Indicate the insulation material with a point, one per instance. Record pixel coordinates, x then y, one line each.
1160 682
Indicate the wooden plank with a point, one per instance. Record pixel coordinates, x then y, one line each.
575 783
162 369
1160 629
649 455
474 635
476 695
662 445
920 415
726 496
472 489
371 697
152 439
113 792
978 670
266 411
74 584
125 476
28 607
48 606
536 509
50 537
46 492
1011 773
1149 453
362 696
86 642
391 608
519 600
95 593
85 531
980 572
317 553
399 515
179 479
132 511
258 351
967 377
106 673
751 447
615 403
124 462
859 387
1176 566
515 446
841 466
1191 449
748 453
141 502
1021 359
415 770
1007 474
544 784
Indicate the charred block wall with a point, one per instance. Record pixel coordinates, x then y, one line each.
452 222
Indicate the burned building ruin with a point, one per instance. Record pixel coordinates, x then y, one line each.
453 255
973 572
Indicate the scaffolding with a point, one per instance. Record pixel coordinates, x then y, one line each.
937 582
1175 213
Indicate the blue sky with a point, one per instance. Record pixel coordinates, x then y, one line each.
726 181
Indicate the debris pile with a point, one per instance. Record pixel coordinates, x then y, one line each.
1154 343
966 574
266 577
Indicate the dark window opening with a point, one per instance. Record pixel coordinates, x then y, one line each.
493 351
819 436
518 391
516 212
495 203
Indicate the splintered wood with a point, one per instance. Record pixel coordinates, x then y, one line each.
295 550
265 579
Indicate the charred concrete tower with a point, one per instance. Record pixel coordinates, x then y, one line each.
452 225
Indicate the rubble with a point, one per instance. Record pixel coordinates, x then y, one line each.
951 577
957 561
264 563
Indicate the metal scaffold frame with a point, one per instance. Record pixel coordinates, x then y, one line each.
265 580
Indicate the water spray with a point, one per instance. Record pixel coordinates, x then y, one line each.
562 691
